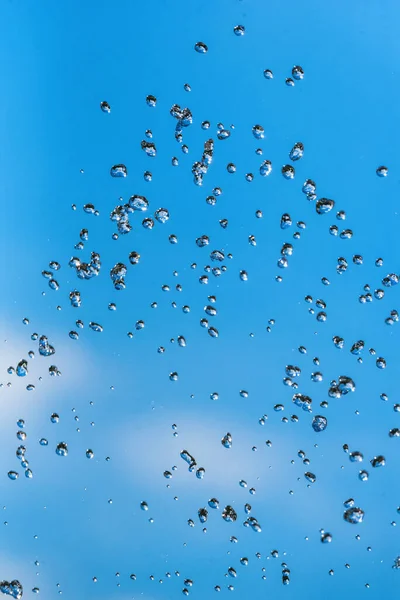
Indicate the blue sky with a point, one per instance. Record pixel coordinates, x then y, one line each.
62 60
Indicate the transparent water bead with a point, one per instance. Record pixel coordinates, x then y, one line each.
297 72
201 47
354 515
239 30
382 171
118 171
62 449
297 151
105 107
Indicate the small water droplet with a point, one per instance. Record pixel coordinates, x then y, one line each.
239 30
105 107
201 48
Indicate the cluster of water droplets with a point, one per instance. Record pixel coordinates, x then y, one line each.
123 217
12 588
86 270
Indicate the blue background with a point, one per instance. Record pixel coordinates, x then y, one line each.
60 60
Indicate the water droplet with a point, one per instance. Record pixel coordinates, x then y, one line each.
348 503
200 473
396 564
45 349
326 537
265 168
338 341
149 148
148 223
378 461
161 215
356 456
226 441
297 72
201 48
288 172
382 171
105 107
22 368
151 101
319 423
258 132
354 515
118 171
229 514
297 151
239 30
62 449
223 134
203 515
381 363
213 332
324 205
181 341
357 347
53 284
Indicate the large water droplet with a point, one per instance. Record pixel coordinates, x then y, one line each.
229 514
324 205
319 423
354 515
